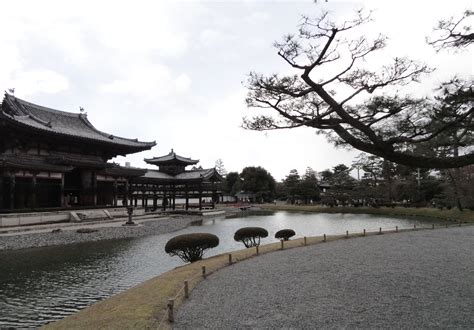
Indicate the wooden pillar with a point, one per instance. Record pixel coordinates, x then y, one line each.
12 192
62 200
186 196
200 196
33 192
155 199
164 200
115 192
1 192
94 187
134 197
214 195
174 198
127 197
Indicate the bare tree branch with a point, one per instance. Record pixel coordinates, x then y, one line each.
452 35
395 128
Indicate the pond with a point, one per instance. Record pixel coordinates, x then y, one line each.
38 286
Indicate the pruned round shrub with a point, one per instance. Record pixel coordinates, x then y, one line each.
250 236
285 234
191 247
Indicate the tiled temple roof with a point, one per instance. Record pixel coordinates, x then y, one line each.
171 159
62 123
31 163
76 160
118 170
188 176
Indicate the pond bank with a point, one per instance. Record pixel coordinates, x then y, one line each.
428 213
144 306
63 234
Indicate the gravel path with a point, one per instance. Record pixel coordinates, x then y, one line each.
115 230
422 279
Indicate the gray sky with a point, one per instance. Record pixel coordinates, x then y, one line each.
173 71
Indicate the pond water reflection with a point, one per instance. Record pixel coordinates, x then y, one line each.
38 286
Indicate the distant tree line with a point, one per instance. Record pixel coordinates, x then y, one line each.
379 182
300 189
390 182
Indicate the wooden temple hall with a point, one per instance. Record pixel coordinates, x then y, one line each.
51 159
161 188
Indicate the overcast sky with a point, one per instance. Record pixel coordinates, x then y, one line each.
174 71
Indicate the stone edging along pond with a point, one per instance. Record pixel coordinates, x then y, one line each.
147 305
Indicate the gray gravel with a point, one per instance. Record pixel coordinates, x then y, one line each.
113 231
422 279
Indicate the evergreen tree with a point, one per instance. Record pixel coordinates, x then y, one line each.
309 190
220 168
291 184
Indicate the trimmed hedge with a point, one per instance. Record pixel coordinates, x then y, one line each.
191 247
250 236
285 234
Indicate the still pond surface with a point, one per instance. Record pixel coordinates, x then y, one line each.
38 286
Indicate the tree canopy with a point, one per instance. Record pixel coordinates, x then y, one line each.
232 183
333 76
258 181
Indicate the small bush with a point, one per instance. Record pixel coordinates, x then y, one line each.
285 234
250 236
191 247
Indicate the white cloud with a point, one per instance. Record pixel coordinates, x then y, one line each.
140 81
138 27
148 82
9 64
28 83
182 83
208 37
257 17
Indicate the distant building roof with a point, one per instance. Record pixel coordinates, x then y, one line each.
171 159
56 122
324 185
